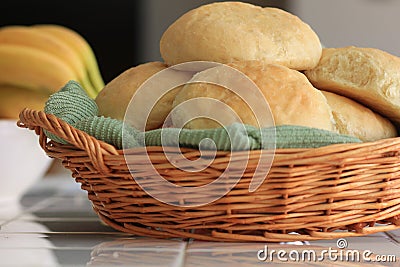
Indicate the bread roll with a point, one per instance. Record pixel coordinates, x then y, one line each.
114 98
352 118
291 97
233 31
367 75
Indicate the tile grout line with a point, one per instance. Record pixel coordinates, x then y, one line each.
180 258
37 206
40 205
392 238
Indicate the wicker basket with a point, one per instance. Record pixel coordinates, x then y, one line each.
309 194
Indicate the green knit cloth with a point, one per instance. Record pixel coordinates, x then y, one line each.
72 105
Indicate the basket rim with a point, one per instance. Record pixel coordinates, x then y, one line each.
34 119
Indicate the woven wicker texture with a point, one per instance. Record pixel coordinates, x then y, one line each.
318 193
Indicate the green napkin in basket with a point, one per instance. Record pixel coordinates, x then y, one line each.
72 105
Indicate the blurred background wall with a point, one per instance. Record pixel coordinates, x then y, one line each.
367 23
124 33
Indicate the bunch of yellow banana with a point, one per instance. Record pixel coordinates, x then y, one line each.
37 60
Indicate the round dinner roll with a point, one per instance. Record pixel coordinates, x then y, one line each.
368 75
352 118
114 98
291 98
233 31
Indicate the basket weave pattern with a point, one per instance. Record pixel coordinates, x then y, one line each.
318 193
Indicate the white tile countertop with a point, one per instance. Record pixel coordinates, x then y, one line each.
54 225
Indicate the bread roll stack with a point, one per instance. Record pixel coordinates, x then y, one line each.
353 91
367 75
292 102
268 45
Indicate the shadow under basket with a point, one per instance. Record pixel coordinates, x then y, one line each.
309 194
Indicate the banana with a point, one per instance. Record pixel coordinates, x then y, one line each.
33 68
76 41
32 37
14 99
